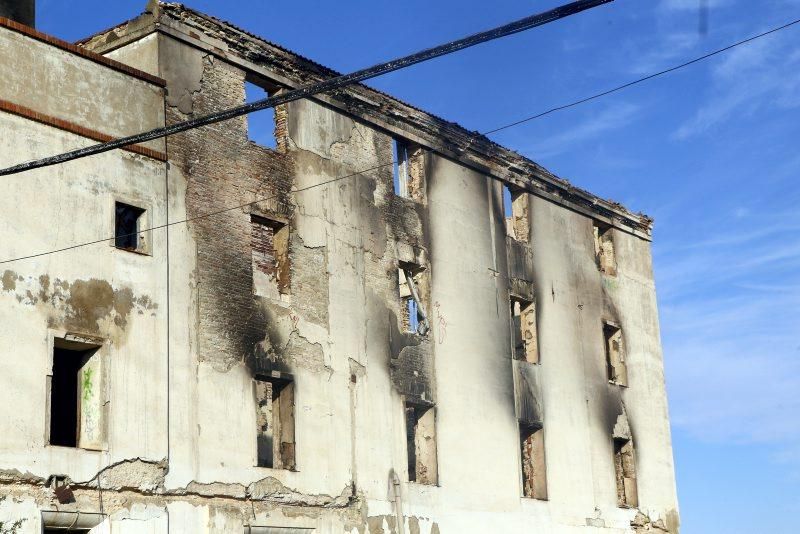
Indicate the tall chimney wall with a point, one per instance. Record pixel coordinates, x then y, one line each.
22 11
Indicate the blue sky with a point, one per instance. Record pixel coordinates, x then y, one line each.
711 152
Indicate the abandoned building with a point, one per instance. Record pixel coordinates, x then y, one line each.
332 327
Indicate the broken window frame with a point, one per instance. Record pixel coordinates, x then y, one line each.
625 473
525 341
604 248
89 416
421 443
141 244
616 365
282 415
418 325
281 258
534 485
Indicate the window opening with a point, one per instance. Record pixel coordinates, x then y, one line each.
275 422
421 443
260 124
412 314
76 400
625 470
400 158
534 475
127 225
409 179
415 318
270 257
526 343
515 210
604 248
615 355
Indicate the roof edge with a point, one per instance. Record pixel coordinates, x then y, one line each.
259 56
79 51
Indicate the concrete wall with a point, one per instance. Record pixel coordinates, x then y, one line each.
97 292
61 84
187 461
581 406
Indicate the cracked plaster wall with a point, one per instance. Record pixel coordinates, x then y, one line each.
95 291
338 333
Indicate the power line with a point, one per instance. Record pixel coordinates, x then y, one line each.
644 79
319 87
509 125
189 219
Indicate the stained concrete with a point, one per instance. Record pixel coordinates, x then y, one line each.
181 424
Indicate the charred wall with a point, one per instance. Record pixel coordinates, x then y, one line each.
227 171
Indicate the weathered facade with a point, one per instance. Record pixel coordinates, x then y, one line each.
320 340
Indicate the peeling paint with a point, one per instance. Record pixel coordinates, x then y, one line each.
337 327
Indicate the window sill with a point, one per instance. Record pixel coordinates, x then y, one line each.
133 251
77 449
276 469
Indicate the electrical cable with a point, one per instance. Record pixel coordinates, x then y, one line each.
509 125
319 87
189 219
644 79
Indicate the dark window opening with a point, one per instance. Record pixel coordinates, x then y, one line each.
66 384
275 423
421 443
127 222
534 474
261 125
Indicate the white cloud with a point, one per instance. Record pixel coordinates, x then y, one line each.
610 118
733 377
761 75
730 313
663 51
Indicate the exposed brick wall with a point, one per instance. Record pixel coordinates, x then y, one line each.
263 237
225 169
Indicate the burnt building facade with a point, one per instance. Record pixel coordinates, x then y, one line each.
328 324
